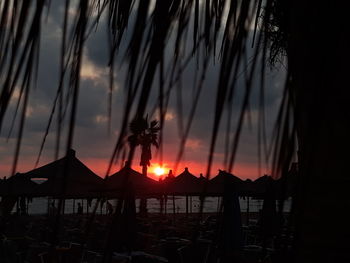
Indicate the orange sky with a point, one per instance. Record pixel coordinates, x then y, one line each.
243 171
99 166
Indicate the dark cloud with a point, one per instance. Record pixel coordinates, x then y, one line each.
94 141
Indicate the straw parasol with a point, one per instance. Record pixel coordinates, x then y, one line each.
286 185
185 184
260 185
141 185
15 190
80 181
282 188
222 181
18 185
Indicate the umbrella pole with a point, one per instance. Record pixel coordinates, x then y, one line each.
63 205
186 205
48 205
17 206
218 207
87 207
174 206
165 204
73 206
247 216
191 204
161 204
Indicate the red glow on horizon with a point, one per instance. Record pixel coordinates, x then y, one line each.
99 166
243 171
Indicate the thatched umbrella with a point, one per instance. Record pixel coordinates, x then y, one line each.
286 186
80 181
15 190
142 185
281 188
185 184
18 185
224 180
260 186
2 188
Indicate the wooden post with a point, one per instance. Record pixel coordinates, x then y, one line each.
160 204
247 216
17 206
174 211
218 208
186 205
63 205
191 204
48 205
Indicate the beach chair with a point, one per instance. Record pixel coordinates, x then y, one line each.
120 258
43 257
195 253
90 256
72 253
37 252
75 252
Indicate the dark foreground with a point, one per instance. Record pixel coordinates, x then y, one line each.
159 238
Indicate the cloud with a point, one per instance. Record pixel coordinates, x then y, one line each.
92 140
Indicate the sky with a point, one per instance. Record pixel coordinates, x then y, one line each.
93 141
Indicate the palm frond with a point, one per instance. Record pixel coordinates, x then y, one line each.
217 27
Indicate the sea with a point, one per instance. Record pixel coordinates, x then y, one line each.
39 205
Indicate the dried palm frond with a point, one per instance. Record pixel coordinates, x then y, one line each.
154 27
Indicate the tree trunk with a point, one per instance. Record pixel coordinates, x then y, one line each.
144 170
143 200
318 61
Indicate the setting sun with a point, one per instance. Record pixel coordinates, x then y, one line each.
159 171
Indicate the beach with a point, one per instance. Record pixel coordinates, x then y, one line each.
39 206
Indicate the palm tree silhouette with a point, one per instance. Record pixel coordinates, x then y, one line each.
315 38
145 135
